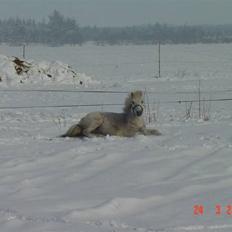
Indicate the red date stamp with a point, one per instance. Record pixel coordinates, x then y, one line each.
219 210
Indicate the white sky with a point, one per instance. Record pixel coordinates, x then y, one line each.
124 12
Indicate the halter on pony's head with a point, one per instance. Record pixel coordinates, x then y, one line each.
136 109
134 104
137 103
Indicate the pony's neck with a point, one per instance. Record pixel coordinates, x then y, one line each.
126 110
130 117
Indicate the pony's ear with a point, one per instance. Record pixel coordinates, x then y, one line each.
140 93
132 94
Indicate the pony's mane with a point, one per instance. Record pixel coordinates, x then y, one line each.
127 104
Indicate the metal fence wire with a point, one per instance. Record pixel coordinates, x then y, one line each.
108 92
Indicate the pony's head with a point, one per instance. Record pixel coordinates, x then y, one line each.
134 103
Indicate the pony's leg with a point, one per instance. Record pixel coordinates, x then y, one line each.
88 132
146 131
92 126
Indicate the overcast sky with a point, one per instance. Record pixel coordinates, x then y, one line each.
124 12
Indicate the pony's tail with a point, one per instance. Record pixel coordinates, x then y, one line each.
73 131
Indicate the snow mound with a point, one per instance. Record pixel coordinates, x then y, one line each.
15 71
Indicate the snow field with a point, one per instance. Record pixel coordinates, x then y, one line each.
118 184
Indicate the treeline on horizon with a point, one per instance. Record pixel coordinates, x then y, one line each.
59 30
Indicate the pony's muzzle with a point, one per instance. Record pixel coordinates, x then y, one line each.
138 110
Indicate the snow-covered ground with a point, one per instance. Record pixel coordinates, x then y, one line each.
119 184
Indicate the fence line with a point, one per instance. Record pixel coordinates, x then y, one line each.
61 91
201 100
110 104
109 91
57 106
